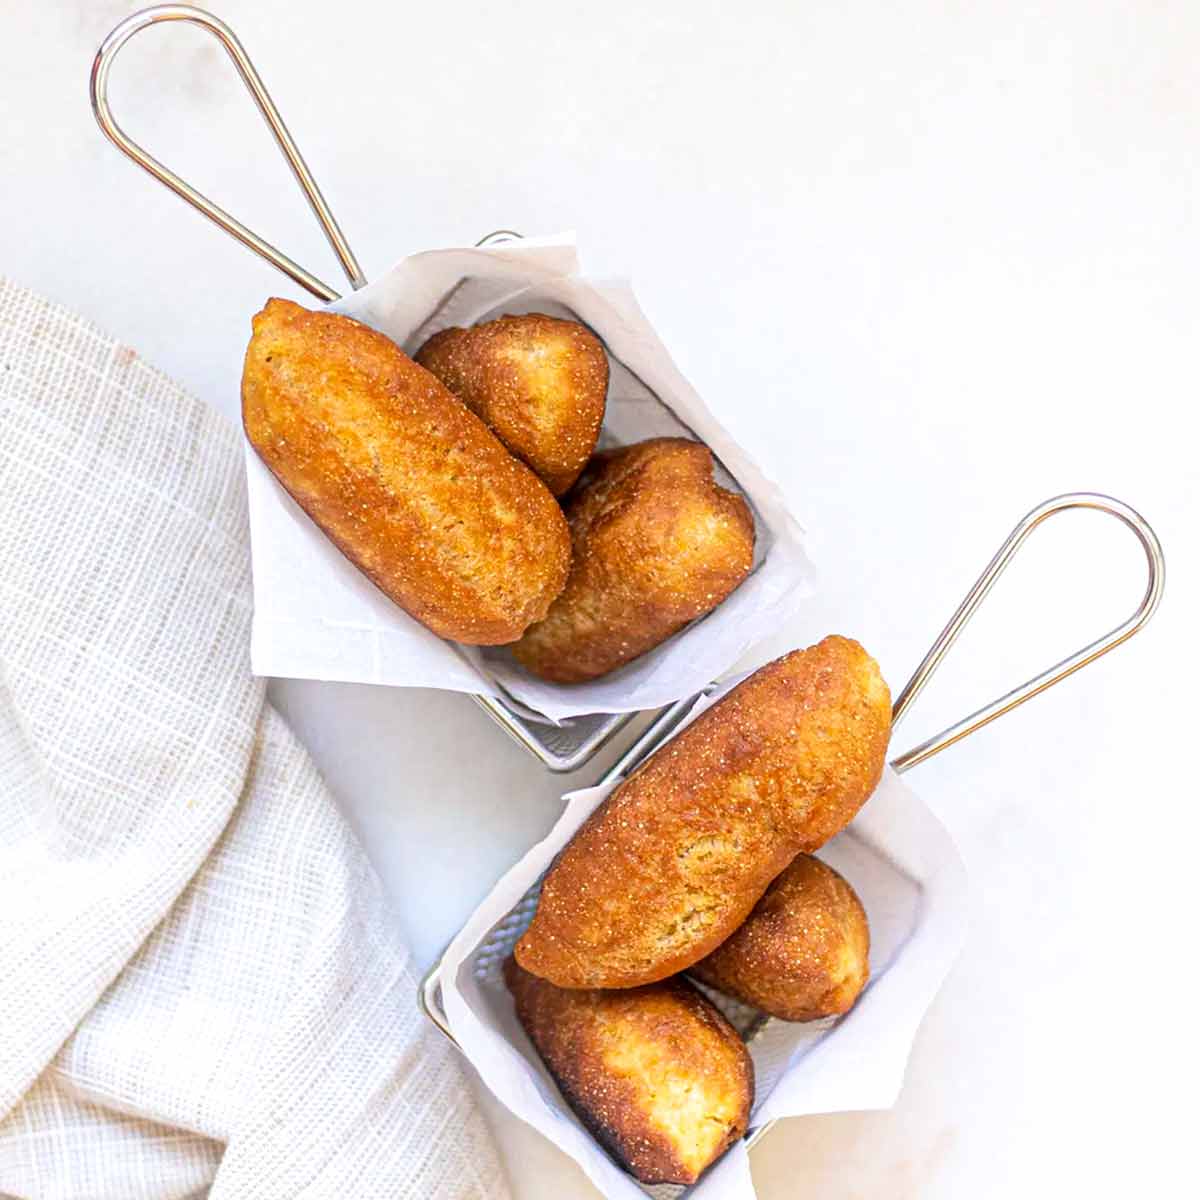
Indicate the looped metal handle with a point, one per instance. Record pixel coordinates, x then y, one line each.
1156 568
250 77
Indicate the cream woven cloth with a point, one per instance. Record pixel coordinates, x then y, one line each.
201 992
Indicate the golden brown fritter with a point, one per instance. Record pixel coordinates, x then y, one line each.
802 953
409 485
673 861
656 1074
538 382
656 544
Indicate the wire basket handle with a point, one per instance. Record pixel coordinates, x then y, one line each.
1156 569
108 51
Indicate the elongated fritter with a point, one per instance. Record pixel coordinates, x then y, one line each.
411 486
803 951
538 382
656 544
673 861
656 1073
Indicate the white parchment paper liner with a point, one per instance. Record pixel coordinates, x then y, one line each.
317 617
908 873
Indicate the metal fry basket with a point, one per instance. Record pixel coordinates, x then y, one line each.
563 747
755 1027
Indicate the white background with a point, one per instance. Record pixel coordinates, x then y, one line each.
951 269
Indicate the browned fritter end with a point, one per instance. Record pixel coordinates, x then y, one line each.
411 486
539 382
673 861
656 542
857 718
656 1074
803 952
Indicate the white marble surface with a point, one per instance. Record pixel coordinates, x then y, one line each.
957 261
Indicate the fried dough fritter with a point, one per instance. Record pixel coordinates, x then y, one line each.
409 485
657 1075
656 543
672 862
802 953
539 383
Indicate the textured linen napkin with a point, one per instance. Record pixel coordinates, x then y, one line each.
201 992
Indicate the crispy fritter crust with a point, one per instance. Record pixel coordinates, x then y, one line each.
673 861
656 544
657 1075
802 954
407 483
537 381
